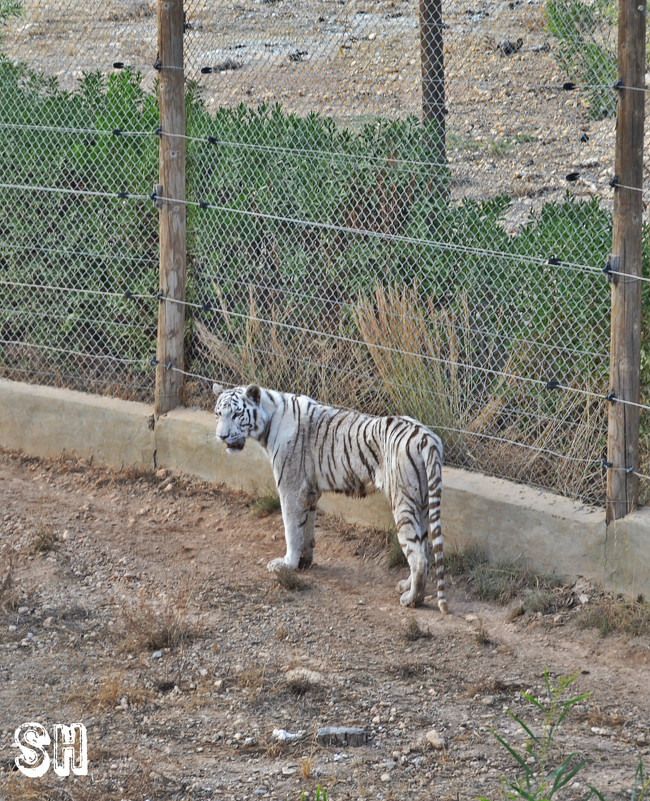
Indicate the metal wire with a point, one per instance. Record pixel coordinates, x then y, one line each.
333 247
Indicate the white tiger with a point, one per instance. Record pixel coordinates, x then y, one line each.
315 448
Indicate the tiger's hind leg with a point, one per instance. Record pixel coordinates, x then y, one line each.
413 539
307 555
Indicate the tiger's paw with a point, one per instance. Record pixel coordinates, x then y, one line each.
277 565
404 586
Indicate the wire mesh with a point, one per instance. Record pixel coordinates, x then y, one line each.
338 245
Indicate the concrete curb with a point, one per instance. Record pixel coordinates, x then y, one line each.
509 521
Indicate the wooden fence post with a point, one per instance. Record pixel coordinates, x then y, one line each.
623 424
433 76
172 219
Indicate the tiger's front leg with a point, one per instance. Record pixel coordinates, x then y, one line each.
299 518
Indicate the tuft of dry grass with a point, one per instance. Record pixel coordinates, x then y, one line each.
45 539
611 615
433 364
9 596
271 350
414 632
504 581
395 555
267 503
154 623
290 580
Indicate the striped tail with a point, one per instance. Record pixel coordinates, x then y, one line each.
434 470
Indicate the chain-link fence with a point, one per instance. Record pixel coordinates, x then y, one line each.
338 246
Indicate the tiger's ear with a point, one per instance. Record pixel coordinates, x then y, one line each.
254 393
217 389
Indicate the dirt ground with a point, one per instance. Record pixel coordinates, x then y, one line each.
140 605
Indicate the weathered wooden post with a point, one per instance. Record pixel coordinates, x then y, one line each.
172 219
433 76
623 425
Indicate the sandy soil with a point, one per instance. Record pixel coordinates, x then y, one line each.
140 605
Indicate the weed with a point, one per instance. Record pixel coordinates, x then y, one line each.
8 593
616 615
290 580
503 581
541 780
45 539
395 556
152 624
320 795
583 51
266 504
252 678
481 636
414 632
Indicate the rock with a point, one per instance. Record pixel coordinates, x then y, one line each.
435 740
68 536
508 48
342 735
385 777
285 736
304 676
156 655
161 474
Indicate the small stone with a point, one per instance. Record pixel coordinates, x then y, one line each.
304 676
288 770
342 735
385 777
68 536
435 740
161 474
285 736
156 655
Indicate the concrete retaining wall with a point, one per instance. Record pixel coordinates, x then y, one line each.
545 531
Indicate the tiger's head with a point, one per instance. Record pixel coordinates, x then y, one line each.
239 415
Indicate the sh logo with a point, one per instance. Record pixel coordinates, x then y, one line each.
70 753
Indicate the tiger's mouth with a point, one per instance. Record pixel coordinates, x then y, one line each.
237 445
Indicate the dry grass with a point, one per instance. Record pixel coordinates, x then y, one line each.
611 615
9 595
504 581
271 350
290 580
434 365
45 539
415 632
154 623
395 555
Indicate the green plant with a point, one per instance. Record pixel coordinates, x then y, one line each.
541 779
320 795
641 783
266 504
582 31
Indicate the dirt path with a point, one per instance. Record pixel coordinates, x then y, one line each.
141 606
